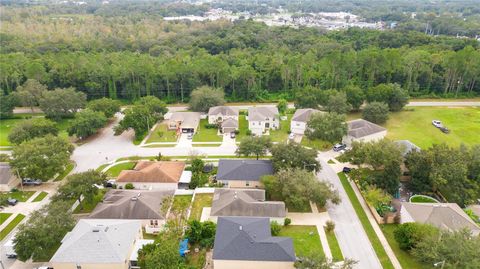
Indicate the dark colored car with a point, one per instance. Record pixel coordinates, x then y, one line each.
444 130
32 182
12 201
347 169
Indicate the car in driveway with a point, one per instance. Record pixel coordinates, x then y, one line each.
190 136
339 147
232 135
347 169
31 182
12 201
437 123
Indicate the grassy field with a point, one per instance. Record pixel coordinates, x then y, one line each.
405 259
281 135
40 196
90 206
21 196
422 199
11 225
242 127
316 144
334 246
67 171
377 246
115 170
305 239
4 217
206 135
201 201
162 134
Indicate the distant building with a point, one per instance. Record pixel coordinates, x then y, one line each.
298 125
8 180
263 118
245 242
243 173
361 130
153 175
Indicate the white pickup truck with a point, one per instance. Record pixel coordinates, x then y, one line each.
9 250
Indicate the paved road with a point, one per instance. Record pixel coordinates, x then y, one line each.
447 104
350 234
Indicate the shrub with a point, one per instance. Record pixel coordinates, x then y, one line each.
275 228
329 226
408 235
211 126
129 186
287 222
249 132
237 132
4 158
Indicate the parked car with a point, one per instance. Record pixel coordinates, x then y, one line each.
9 250
291 136
109 183
12 201
347 169
32 182
444 130
437 123
190 136
232 135
339 147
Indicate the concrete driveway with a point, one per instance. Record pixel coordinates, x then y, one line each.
184 142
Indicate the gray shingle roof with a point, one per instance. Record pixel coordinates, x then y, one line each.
131 204
223 110
98 241
361 128
260 113
188 119
251 170
304 114
251 203
230 123
5 173
249 239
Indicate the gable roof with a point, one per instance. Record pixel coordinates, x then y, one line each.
304 114
447 216
5 173
360 128
251 170
406 146
187 119
131 204
251 203
260 113
153 172
98 241
223 110
229 123
250 239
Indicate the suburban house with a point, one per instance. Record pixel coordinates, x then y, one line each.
406 146
236 173
155 175
246 242
184 122
361 130
99 244
299 121
226 116
448 216
263 118
245 203
144 206
8 180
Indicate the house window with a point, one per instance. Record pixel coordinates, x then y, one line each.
267 125
247 183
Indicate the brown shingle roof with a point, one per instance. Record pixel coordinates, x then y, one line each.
154 172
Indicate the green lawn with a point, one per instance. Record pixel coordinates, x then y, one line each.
422 199
4 217
40 196
242 127
11 225
405 259
281 135
21 196
196 260
162 134
377 246
65 172
201 201
316 144
179 201
305 208
88 207
305 239
115 170
206 135
334 246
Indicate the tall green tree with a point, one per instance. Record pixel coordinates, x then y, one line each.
139 118
338 103
86 123
8 104
318 261
254 145
294 155
30 93
62 103
355 96
282 106
375 112
330 127
106 105
80 185
29 129
203 98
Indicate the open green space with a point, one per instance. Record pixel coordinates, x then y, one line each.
11 225
87 206
406 260
204 134
4 217
180 200
422 199
65 172
201 200
316 144
40 196
305 239
21 196
334 246
115 170
162 134
372 236
242 127
281 135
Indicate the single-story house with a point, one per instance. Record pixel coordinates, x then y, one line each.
247 242
98 244
262 119
225 116
155 175
363 131
299 121
237 173
245 203
8 180
448 216
141 205
184 122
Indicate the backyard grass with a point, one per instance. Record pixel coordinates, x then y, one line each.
305 208
201 201
194 259
179 201
4 217
206 135
21 196
242 127
65 172
149 236
315 144
406 260
377 246
40 196
422 199
334 246
115 170
89 206
305 239
162 134
11 225
281 135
